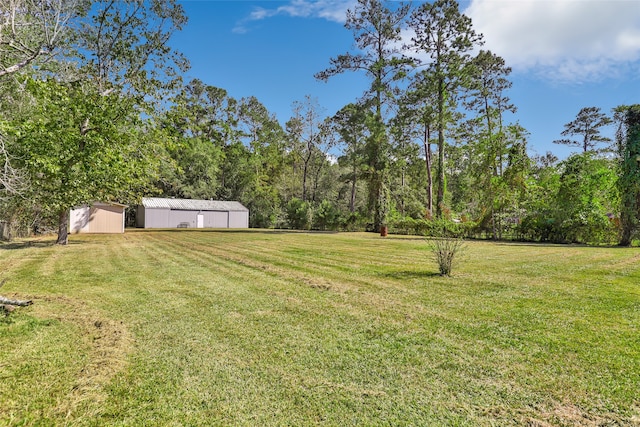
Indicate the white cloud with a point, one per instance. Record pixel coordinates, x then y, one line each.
567 40
331 10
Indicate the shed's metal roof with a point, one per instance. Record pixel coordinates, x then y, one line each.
191 204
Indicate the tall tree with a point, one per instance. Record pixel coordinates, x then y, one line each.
349 123
123 45
306 135
418 105
628 151
407 183
486 98
202 122
32 32
261 132
587 124
446 36
377 32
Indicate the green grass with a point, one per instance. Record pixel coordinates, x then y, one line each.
283 328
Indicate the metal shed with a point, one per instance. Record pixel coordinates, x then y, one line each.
97 218
157 212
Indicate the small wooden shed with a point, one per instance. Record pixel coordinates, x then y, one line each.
155 212
97 218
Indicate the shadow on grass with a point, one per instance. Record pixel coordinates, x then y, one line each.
228 230
404 275
558 245
28 244
10 246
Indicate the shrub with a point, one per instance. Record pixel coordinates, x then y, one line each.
326 216
353 221
299 214
446 252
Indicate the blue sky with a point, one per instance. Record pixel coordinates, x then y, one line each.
565 54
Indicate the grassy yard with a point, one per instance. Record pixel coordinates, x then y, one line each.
283 328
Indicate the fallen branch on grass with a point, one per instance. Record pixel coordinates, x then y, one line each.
8 305
19 303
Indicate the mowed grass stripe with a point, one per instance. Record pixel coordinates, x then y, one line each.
303 276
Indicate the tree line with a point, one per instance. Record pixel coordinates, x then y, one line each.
94 108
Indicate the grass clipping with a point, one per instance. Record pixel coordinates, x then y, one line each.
447 253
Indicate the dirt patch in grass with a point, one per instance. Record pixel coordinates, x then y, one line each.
571 415
108 342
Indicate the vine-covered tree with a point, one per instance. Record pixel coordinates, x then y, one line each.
486 100
628 151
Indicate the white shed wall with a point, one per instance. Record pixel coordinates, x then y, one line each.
238 219
79 219
217 219
181 218
156 218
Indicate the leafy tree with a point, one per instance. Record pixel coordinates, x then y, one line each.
117 63
75 164
326 216
299 214
124 46
194 171
376 30
446 36
587 195
265 139
202 121
31 33
587 124
206 112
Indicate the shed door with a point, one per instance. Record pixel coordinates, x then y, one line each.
200 221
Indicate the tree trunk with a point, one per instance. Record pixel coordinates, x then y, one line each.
63 227
441 126
427 151
354 182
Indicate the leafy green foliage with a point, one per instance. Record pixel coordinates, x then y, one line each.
80 146
582 205
326 216
299 214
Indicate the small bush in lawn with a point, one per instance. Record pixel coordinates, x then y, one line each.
446 252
